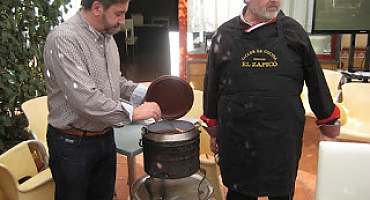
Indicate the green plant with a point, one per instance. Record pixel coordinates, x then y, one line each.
24 25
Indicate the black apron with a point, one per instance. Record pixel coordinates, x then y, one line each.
261 117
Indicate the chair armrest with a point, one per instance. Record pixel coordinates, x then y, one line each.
343 113
36 181
207 159
7 183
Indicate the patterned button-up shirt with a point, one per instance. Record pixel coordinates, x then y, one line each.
83 80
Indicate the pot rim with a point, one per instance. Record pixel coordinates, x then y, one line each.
172 137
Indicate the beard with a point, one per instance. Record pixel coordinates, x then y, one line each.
271 10
109 28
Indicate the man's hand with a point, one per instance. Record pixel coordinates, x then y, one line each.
147 110
329 132
326 138
213 145
146 84
211 130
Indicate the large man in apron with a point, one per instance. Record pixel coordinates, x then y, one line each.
256 69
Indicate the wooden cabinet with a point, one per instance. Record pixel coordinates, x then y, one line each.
195 71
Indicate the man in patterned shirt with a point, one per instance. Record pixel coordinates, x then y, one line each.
85 88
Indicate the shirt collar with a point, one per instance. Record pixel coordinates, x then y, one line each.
96 33
251 25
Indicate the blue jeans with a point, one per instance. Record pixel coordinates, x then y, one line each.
83 168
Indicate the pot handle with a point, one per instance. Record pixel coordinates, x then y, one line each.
144 130
197 124
141 143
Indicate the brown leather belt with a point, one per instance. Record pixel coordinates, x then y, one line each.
81 133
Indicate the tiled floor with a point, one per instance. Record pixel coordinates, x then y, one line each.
146 67
305 183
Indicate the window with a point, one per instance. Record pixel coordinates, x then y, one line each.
204 16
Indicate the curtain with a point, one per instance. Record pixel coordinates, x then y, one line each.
300 10
207 15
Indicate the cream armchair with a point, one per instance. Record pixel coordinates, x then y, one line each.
207 160
354 107
36 111
333 79
25 174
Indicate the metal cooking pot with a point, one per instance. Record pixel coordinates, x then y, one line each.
170 146
171 149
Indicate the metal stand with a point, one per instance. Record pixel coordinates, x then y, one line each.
351 70
367 56
131 162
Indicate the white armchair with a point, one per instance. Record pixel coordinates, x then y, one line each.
343 171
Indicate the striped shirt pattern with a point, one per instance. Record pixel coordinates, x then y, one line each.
83 80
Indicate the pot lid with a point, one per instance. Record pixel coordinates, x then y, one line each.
170 127
173 94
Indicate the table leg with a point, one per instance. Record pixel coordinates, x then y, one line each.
131 162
